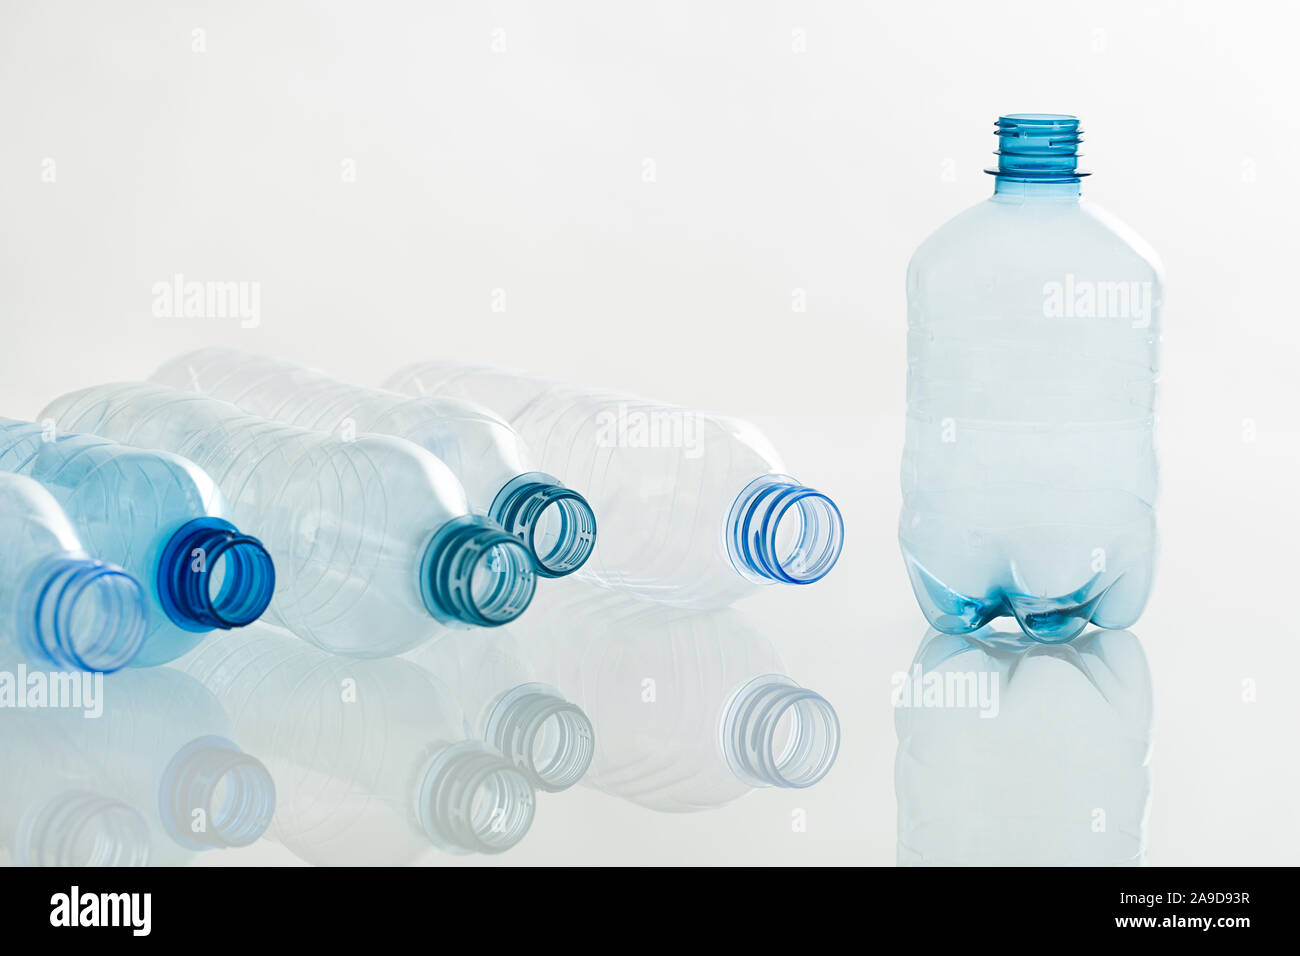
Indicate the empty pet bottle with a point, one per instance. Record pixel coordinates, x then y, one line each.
373 542
161 518
695 509
59 606
554 522
1015 753
1029 470
547 736
692 709
369 757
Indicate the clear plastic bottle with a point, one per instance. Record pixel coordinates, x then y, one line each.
1029 470
370 760
691 709
161 518
491 461
374 546
695 509
545 735
51 812
59 606
1016 753
164 744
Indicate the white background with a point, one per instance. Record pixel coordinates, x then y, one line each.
793 146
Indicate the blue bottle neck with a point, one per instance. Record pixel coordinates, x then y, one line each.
1012 190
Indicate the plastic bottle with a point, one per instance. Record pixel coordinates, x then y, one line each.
692 710
546 736
695 509
162 519
554 522
374 546
1015 753
369 758
1029 470
59 606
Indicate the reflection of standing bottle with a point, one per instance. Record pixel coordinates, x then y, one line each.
554 522
691 709
547 737
695 509
369 757
1029 470
372 538
51 812
154 514
57 605
1023 754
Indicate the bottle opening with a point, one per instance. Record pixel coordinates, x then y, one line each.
475 574
212 576
555 523
781 531
1038 148
472 800
548 738
778 734
79 828
213 796
85 615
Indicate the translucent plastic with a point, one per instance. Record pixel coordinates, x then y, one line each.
1029 470
695 509
164 746
369 758
373 543
496 470
546 736
51 813
59 606
1014 753
691 709
161 518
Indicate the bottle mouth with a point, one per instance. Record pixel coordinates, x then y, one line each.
555 523
211 577
1038 148
778 734
475 574
473 800
80 828
84 614
779 530
548 738
215 796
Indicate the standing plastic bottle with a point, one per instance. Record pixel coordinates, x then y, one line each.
58 606
373 542
555 523
691 709
545 735
1015 753
695 509
162 519
1029 471
370 760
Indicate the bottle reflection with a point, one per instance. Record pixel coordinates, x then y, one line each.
691 709
1023 754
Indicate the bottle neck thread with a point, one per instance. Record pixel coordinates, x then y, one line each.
780 530
1038 153
555 523
545 736
778 734
211 576
473 800
474 574
82 614
215 796
80 828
